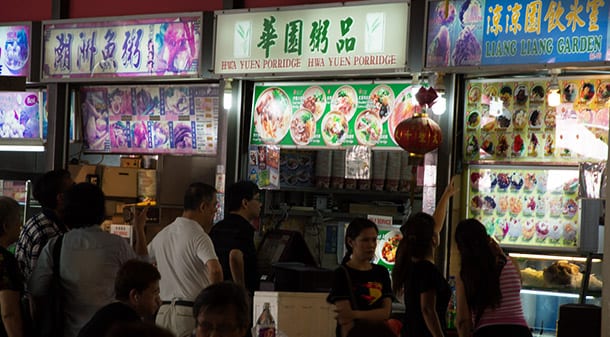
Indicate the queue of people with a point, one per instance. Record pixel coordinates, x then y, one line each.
107 287
197 279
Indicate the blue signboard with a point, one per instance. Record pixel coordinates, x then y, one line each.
500 32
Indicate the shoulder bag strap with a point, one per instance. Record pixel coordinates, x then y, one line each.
352 297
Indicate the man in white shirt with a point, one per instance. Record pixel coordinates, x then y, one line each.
186 259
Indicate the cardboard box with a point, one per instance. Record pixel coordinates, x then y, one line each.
83 173
120 182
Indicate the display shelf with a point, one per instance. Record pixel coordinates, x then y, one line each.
550 281
326 214
315 190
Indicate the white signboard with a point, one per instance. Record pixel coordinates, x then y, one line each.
348 37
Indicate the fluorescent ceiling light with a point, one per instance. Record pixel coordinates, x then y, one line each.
21 148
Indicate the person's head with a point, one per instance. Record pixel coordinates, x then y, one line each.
418 242
244 197
479 270
137 284
221 308
366 328
200 203
84 206
137 328
9 219
50 186
360 239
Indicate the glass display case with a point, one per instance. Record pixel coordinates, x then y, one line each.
522 158
549 281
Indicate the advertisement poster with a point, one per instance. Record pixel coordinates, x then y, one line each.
45 115
496 32
526 129
155 46
534 207
330 115
177 119
15 47
387 241
264 166
348 37
20 115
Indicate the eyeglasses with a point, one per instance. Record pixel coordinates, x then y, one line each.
222 328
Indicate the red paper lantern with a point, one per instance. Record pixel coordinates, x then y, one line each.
418 135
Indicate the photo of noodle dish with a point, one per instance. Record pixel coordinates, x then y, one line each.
386 247
302 127
334 128
381 101
367 128
272 115
344 101
314 100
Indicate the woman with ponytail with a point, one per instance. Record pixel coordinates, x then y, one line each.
488 286
426 292
360 290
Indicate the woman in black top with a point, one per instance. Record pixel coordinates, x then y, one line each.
361 290
426 292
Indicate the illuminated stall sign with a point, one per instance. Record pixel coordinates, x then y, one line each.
312 40
154 119
497 32
15 50
168 46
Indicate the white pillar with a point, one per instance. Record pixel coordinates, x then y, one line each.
606 268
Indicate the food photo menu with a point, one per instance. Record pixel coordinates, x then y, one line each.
176 119
526 129
533 207
330 115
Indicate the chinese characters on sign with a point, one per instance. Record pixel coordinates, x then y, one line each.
329 39
127 48
15 50
496 32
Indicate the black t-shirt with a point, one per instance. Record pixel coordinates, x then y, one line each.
235 232
424 276
105 318
369 287
10 277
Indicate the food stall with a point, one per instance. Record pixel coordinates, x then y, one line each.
143 101
527 134
323 89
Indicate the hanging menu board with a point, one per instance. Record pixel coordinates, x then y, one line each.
330 115
526 129
152 46
526 206
177 119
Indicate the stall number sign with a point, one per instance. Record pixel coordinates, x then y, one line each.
312 40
